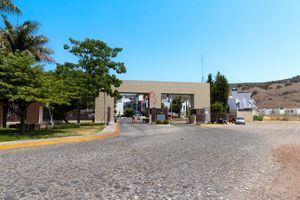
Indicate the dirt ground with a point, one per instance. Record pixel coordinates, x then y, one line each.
286 184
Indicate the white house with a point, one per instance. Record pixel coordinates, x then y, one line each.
241 101
186 104
292 111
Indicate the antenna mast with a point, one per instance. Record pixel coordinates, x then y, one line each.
202 68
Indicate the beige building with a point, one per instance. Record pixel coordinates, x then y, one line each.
199 92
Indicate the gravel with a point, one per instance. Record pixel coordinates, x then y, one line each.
150 162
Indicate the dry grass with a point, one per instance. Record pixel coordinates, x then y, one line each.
281 118
286 184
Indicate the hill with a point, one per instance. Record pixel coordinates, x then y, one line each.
274 94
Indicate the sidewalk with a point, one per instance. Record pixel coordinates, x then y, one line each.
108 132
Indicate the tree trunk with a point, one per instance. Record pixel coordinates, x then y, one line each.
78 111
23 113
65 119
5 111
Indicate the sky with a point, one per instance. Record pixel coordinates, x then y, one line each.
246 40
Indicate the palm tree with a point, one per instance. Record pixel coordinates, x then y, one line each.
9 7
22 38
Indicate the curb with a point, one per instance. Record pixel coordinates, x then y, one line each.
22 144
209 125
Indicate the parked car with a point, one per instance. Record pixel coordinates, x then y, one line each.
240 120
222 121
138 116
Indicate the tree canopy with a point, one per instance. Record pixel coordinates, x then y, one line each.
94 72
96 63
24 82
8 6
219 92
22 38
177 104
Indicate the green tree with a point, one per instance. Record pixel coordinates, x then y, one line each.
75 85
217 108
128 112
97 68
211 83
210 79
22 83
177 104
9 7
22 38
219 93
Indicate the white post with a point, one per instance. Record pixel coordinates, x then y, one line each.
171 108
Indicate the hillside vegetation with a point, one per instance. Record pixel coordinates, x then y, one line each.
273 94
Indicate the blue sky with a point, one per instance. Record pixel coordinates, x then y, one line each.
247 40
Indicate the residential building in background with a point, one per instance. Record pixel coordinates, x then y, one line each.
239 101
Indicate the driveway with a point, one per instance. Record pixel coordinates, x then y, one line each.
151 162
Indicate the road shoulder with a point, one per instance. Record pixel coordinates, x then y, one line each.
108 132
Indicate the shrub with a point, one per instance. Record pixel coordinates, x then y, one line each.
66 126
158 122
91 124
166 122
278 86
254 93
287 84
258 118
128 112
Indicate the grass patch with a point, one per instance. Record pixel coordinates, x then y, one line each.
11 134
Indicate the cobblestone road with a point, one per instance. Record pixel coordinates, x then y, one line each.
149 162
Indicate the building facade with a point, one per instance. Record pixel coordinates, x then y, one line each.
199 93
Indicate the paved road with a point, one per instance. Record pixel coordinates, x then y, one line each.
148 162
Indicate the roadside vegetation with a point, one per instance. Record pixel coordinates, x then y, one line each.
69 86
219 90
61 130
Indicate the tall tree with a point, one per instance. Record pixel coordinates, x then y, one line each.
219 93
22 38
73 81
23 82
97 69
9 7
211 83
177 104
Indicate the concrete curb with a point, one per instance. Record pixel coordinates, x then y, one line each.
31 143
210 125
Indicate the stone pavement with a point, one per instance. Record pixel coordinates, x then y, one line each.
149 162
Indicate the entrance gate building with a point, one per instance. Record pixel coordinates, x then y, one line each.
199 93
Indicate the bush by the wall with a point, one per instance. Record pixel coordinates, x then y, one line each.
257 118
91 124
158 122
128 112
166 122
66 126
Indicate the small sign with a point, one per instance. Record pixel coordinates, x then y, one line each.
161 117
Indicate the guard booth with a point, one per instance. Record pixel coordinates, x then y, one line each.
199 116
